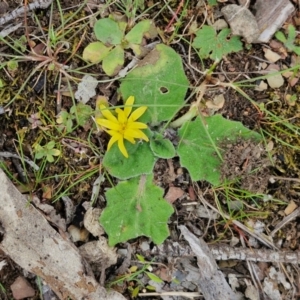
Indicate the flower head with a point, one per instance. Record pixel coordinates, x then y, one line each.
123 124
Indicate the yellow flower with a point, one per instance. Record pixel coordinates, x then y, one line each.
123 125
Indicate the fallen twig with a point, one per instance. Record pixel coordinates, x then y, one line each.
31 163
42 4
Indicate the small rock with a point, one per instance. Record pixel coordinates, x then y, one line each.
271 56
21 288
261 87
274 80
242 22
144 246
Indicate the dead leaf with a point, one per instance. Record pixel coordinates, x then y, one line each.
216 103
290 208
173 194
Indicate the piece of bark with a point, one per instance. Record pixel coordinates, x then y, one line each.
225 252
212 281
29 240
38 4
270 15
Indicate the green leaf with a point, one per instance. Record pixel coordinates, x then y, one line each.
50 158
39 155
280 36
154 277
83 112
162 147
154 83
95 52
140 161
201 139
214 45
54 152
12 65
291 37
65 119
289 42
143 28
141 258
50 145
134 208
113 62
108 31
135 292
212 2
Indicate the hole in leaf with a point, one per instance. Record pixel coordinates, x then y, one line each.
164 90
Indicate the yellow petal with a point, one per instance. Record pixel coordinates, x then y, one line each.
136 133
113 139
121 116
137 113
128 106
114 133
107 124
122 147
129 138
107 114
136 125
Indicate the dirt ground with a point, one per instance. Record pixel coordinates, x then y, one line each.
276 178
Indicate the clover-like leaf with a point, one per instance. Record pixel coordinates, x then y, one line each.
134 208
162 147
66 120
95 52
135 36
108 31
47 151
113 62
140 161
214 45
200 145
158 82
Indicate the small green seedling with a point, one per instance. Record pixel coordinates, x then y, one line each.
134 276
47 151
130 8
80 112
65 120
215 46
21 43
12 66
289 42
112 41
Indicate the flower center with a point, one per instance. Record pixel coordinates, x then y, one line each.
123 127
